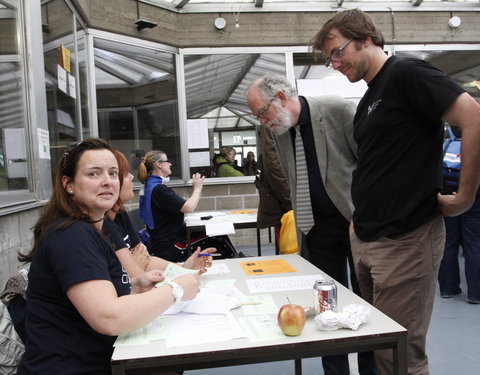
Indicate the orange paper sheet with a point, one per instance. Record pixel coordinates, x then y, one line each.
266 267
243 212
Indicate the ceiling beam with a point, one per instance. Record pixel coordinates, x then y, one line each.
258 3
179 4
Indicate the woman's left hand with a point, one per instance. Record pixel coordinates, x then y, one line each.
146 281
200 262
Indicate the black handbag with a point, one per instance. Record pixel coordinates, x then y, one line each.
222 243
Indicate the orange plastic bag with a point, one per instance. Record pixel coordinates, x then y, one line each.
287 243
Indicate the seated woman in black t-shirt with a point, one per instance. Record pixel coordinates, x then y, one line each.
78 297
130 250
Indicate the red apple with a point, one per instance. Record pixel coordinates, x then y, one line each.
291 319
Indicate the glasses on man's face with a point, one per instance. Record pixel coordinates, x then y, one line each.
336 54
263 112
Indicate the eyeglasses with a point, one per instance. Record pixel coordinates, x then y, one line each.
265 109
336 54
165 161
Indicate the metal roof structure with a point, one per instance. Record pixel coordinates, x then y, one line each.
192 6
215 84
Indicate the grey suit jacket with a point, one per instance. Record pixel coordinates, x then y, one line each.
332 124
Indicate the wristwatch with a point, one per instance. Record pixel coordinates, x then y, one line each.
177 291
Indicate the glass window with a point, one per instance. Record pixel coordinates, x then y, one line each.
462 65
65 79
137 101
215 86
14 152
315 79
63 125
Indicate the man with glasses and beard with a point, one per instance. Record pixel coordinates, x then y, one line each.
324 208
398 234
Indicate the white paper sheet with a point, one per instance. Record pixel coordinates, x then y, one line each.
215 228
217 269
156 330
172 271
195 218
199 159
62 79
261 328
260 304
277 284
220 283
43 144
197 133
72 90
191 329
209 301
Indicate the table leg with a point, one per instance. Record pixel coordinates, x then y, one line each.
259 246
298 366
189 241
400 356
118 370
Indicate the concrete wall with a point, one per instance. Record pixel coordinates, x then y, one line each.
15 236
225 197
269 28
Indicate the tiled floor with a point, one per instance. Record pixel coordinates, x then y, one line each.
453 342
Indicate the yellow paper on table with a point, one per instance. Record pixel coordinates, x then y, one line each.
243 212
265 267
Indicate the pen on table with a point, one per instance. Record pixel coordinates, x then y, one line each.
209 255
250 303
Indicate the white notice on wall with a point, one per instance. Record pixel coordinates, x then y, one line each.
43 144
72 89
199 159
62 79
197 133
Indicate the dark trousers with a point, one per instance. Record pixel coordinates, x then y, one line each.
330 251
462 230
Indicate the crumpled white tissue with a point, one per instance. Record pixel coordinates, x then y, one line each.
351 317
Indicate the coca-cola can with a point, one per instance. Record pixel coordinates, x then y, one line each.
325 296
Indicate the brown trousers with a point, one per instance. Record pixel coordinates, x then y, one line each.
398 276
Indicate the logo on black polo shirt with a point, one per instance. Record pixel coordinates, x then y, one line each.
374 106
125 278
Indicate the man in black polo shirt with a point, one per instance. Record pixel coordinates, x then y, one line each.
398 234
325 127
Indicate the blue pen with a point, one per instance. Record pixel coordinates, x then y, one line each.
207 255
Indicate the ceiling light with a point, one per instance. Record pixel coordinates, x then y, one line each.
454 22
220 23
